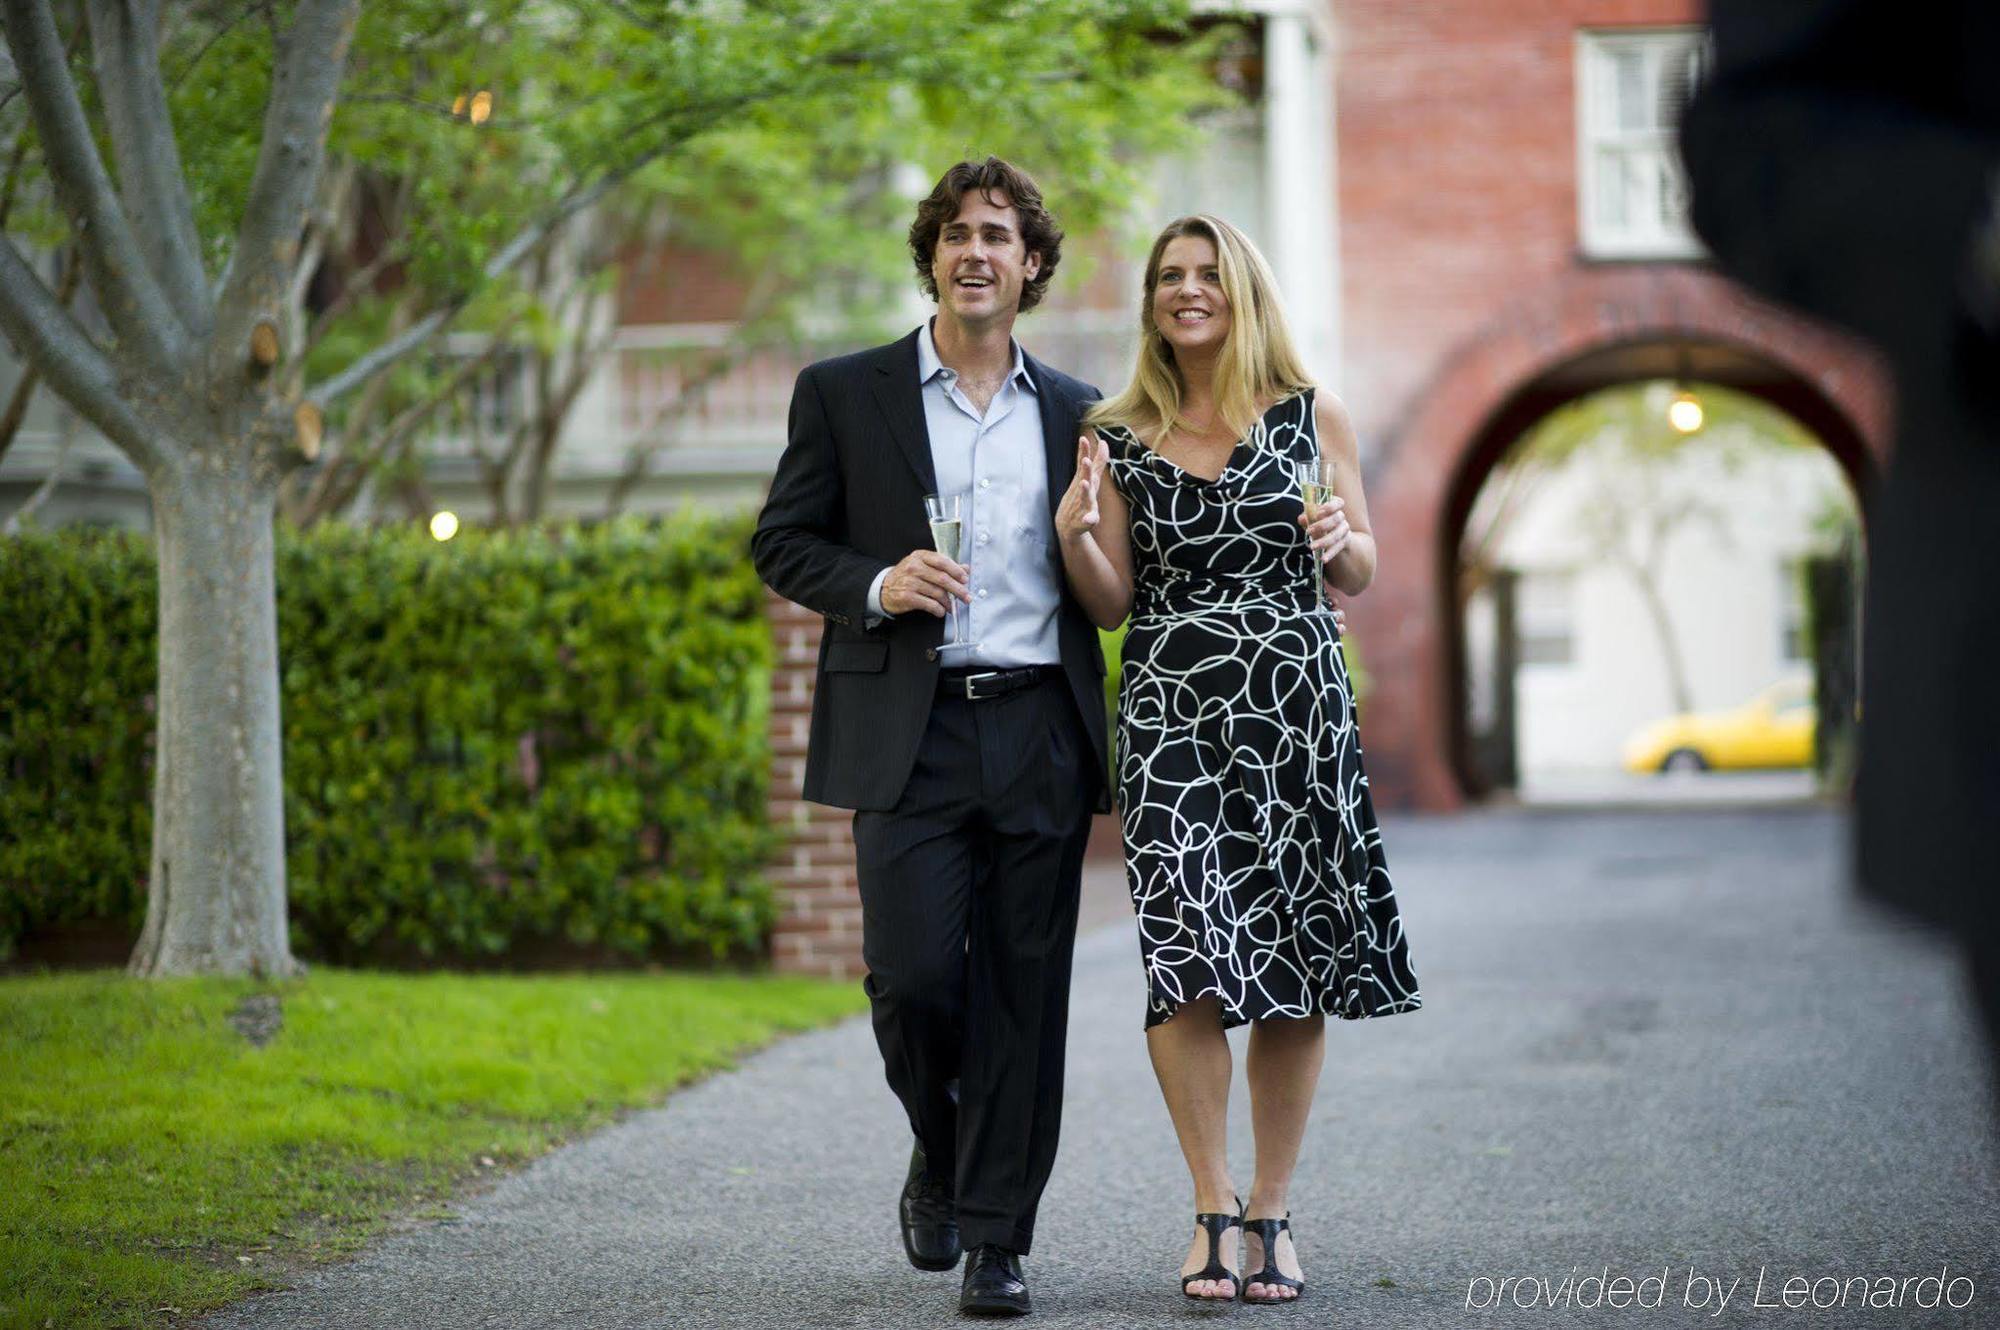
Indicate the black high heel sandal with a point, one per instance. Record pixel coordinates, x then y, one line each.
1267 1231
1215 1225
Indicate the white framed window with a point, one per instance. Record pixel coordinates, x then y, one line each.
497 393
1545 616
489 406
1631 87
1223 175
1794 647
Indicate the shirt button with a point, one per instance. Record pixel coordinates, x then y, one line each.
982 593
982 537
985 484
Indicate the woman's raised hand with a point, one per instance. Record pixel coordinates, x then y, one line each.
1076 515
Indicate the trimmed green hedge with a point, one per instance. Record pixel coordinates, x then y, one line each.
504 741
77 610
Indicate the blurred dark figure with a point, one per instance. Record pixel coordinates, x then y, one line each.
1844 157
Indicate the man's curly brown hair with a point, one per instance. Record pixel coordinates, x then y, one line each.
1039 232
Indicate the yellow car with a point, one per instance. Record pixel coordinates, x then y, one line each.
1773 729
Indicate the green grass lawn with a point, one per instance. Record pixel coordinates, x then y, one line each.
155 1164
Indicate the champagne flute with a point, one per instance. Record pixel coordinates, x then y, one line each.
1316 489
945 514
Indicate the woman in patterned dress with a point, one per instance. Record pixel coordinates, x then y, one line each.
1251 847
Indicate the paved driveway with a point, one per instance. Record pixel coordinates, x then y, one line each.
1658 1045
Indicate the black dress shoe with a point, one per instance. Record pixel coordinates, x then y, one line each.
929 1215
993 1283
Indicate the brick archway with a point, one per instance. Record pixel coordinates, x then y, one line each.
1591 328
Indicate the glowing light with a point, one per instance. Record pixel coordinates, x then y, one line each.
444 525
1684 413
482 106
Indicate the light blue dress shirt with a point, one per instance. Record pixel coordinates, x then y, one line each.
998 462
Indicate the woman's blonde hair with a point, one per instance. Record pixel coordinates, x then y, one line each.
1258 363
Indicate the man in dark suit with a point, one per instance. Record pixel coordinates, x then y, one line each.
973 769
1845 158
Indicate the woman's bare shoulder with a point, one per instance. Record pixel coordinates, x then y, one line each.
1333 424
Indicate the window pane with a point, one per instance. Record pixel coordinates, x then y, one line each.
1546 649
1793 646
1673 193
1542 618
1635 87
1629 70
1612 190
1676 84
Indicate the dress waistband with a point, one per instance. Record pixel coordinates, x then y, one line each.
1189 596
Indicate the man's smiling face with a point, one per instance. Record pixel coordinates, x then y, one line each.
981 263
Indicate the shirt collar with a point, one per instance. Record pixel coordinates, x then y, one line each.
929 366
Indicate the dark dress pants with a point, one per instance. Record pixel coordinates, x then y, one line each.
969 901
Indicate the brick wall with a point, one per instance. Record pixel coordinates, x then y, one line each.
819 929
1469 309
1457 144
1479 401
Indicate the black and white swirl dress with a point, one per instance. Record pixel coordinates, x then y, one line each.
1251 846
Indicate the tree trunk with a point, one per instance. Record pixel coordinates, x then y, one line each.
216 892
1670 654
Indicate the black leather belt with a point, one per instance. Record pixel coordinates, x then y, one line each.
976 685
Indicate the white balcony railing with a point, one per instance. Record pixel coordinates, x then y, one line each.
700 402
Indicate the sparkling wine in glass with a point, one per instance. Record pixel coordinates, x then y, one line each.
1316 488
945 512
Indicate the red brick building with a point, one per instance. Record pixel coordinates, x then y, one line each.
1510 239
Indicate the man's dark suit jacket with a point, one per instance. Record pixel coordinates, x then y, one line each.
1841 156
848 501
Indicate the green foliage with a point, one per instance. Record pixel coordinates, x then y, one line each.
542 737
76 728
807 189
774 135
149 1146
1626 428
1633 416
1113 643
1357 673
785 139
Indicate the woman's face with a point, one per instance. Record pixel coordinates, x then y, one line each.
1189 308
